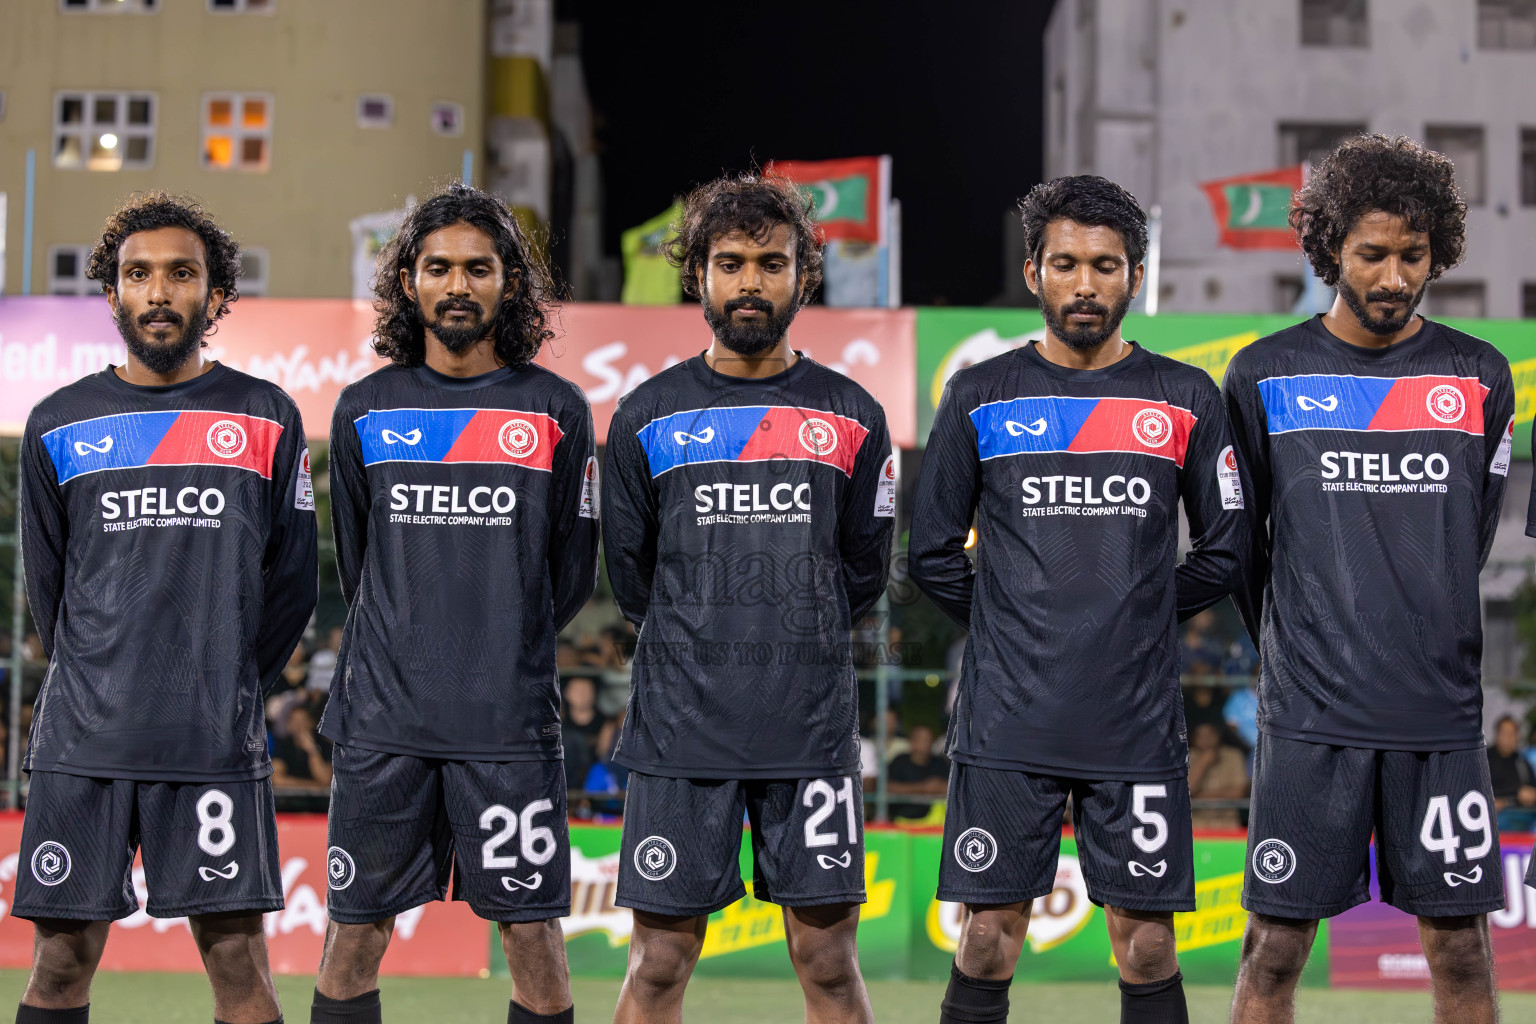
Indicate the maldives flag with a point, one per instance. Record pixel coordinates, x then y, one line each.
1252 210
850 195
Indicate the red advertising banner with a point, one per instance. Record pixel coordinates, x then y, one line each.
312 348
437 939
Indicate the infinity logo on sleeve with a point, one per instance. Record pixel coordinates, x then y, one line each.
1017 429
704 436
1308 404
100 447
390 437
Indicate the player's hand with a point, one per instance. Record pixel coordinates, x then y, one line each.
1526 797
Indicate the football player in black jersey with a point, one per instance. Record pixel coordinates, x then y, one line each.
168 530
747 522
464 501
1379 445
1073 455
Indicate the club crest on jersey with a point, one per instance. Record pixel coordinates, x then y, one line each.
1274 861
100 447
518 438
339 869
50 863
1446 403
1152 427
226 439
975 850
818 437
655 858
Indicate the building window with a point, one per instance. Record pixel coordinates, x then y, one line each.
1506 24
1463 145
242 6
1456 299
1528 166
1334 23
1288 291
104 131
253 271
1309 143
448 118
375 111
66 271
237 131
1528 300
111 6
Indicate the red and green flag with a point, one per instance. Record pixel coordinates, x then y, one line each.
850 196
1253 210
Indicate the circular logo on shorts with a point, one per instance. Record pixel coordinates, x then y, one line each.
975 850
655 858
1152 427
818 437
339 869
50 863
1446 403
226 439
518 438
1273 861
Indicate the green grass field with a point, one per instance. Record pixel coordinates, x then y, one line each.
184 999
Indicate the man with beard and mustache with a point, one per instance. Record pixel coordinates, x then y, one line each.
1072 455
168 534
748 523
464 505
1379 445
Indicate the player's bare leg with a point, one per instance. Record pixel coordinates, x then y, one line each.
349 965
991 939
824 948
662 953
1150 984
541 981
64 959
1460 955
1275 949
234 951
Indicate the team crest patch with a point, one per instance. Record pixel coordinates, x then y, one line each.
1152 427
339 869
1273 861
226 439
50 863
818 437
1446 403
975 850
518 438
655 858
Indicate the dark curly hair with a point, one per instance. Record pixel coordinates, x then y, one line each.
149 211
1375 172
750 202
1087 199
522 325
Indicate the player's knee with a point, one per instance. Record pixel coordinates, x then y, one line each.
64 961
827 962
1458 952
1150 955
1274 954
661 965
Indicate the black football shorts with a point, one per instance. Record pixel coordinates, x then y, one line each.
1315 807
208 848
1002 837
401 826
681 852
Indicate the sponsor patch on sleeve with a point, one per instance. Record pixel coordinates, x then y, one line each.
304 484
1505 451
885 489
1227 479
588 509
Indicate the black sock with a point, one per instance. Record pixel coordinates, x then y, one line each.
974 1000
37 1015
1156 1002
517 1013
363 1009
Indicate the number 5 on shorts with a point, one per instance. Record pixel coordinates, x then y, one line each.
1154 835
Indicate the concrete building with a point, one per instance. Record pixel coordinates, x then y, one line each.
288 118
1161 95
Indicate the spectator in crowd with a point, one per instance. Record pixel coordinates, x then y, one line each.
918 771
566 655
1241 712
1514 784
1199 645
295 673
580 728
322 664
1217 771
1530 747
1203 704
301 758
606 775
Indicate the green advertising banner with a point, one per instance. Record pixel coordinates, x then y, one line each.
948 339
904 932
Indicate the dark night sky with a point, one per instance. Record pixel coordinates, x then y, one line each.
951 91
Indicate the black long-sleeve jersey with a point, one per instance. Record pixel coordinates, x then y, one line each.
747 523
169 541
1377 479
1074 478
465 513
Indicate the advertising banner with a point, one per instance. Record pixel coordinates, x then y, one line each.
312 348
949 339
437 939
